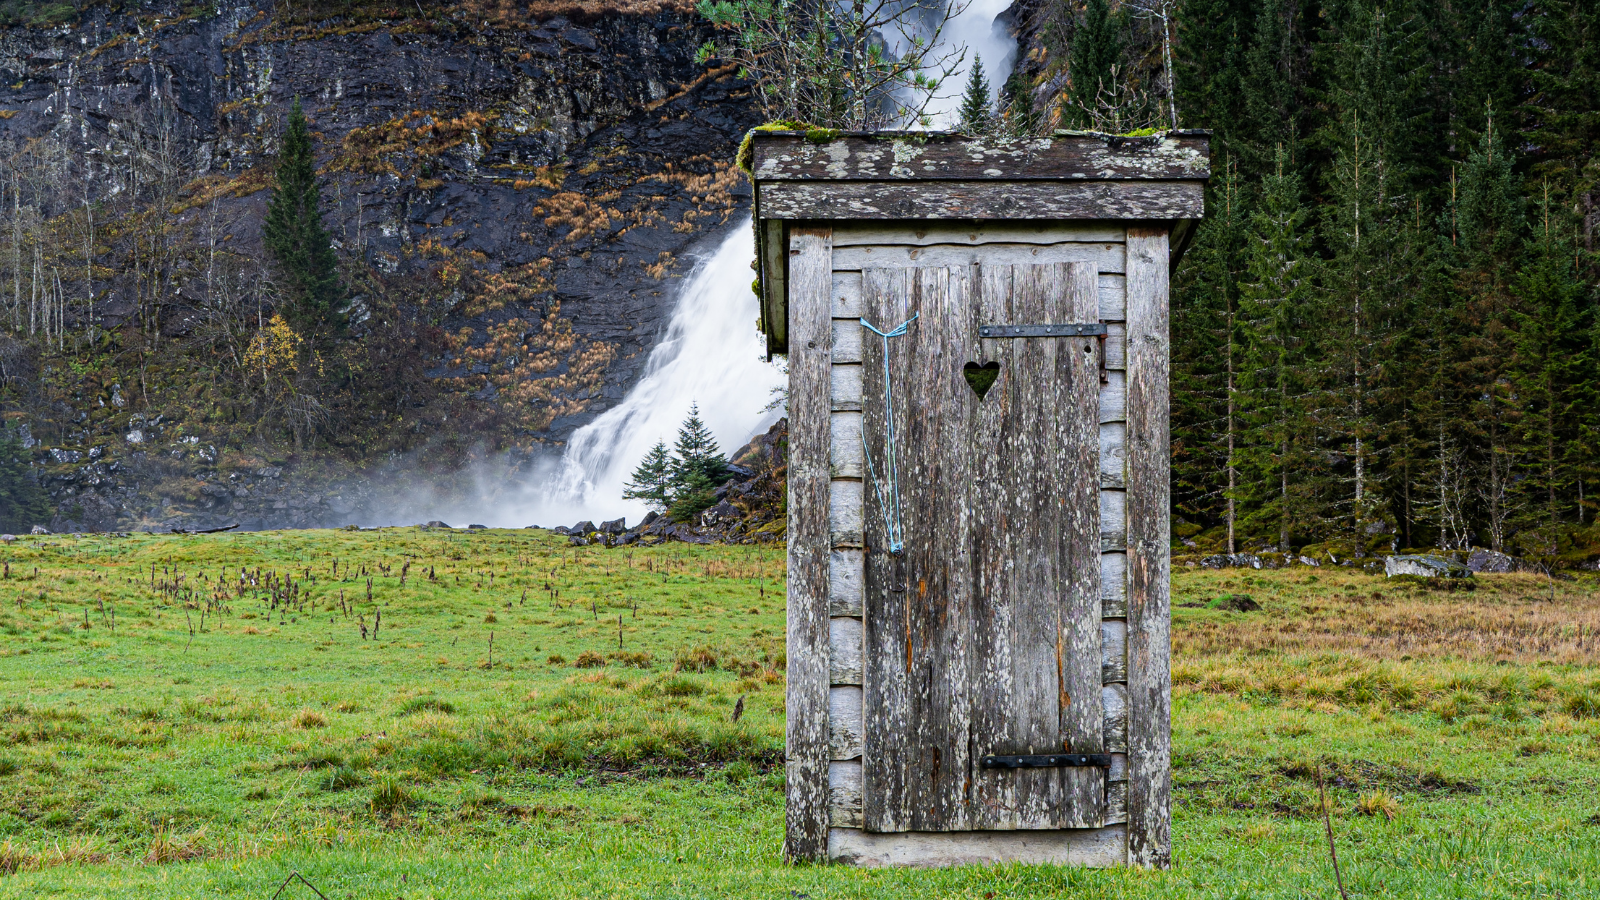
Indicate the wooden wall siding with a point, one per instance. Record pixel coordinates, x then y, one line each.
793 157
1106 257
847 296
844 507
844 649
1099 847
1149 562
846 572
773 280
806 698
982 200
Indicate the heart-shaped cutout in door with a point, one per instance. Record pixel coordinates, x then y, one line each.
981 377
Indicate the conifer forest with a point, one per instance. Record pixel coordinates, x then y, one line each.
1385 333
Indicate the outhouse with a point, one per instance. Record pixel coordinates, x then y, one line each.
978 601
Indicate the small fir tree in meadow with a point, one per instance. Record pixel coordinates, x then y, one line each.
23 501
295 236
696 454
977 115
652 480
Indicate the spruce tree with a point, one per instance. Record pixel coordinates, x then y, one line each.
1096 48
977 113
698 467
294 234
23 501
1278 456
652 480
1021 118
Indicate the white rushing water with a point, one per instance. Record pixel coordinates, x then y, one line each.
977 28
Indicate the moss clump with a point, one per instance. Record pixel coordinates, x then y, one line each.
745 159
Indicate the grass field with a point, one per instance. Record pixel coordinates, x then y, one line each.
172 732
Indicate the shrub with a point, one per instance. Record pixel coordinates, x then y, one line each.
589 659
638 660
309 718
700 659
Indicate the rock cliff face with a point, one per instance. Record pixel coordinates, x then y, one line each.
545 167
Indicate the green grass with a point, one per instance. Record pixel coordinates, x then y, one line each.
1459 732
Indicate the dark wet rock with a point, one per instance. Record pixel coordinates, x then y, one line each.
1495 562
585 528
577 541
436 524
477 527
615 526
649 517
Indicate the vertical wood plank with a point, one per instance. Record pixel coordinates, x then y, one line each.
845 581
1149 560
806 732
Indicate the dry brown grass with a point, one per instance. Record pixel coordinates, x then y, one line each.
309 718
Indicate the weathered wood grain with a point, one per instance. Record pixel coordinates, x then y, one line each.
1116 347
1119 768
844 448
993 646
1116 802
1100 847
1113 455
806 694
1104 257
1149 561
844 793
1114 697
1113 584
1114 650
924 157
774 288
846 581
1113 541
845 388
844 511
844 723
922 234
1114 398
1113 512
1113 300
847 340
982 200
844 647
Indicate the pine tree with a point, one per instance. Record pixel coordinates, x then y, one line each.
1096 48
1277 456
23 501
977 112
652 480
698 467
1021 118
294 234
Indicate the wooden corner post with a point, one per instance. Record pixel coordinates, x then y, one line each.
810 342
1149 552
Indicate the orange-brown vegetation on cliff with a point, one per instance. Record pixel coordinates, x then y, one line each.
396 147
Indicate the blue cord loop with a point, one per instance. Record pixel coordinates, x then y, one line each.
893 523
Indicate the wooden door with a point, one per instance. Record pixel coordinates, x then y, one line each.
983 636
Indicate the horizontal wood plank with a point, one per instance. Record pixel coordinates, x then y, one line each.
844 387
1113 455
844 650
844 448
1113 584
1114 700
1116 802
1113 512
847 340
1113 297
1116 346
1119 767
844 513
846 571
982 200
1114 398
1113 650
847 295
1097 847
922 234
779 156
846 298
844 793
1104 257
844 721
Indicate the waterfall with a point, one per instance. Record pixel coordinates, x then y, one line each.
712 355
978 27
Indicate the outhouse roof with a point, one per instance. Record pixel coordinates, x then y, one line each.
828 176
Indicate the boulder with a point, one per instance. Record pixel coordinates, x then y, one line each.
722 512
578 541
40 529
615 526
477 527
561 529
1425 567
585 527
649 517
7 538
435 524
1494 562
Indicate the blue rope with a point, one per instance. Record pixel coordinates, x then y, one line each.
893 523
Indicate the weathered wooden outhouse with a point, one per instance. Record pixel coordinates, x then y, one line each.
978 605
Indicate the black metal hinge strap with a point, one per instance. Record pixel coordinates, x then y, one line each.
1046 761
1067 329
